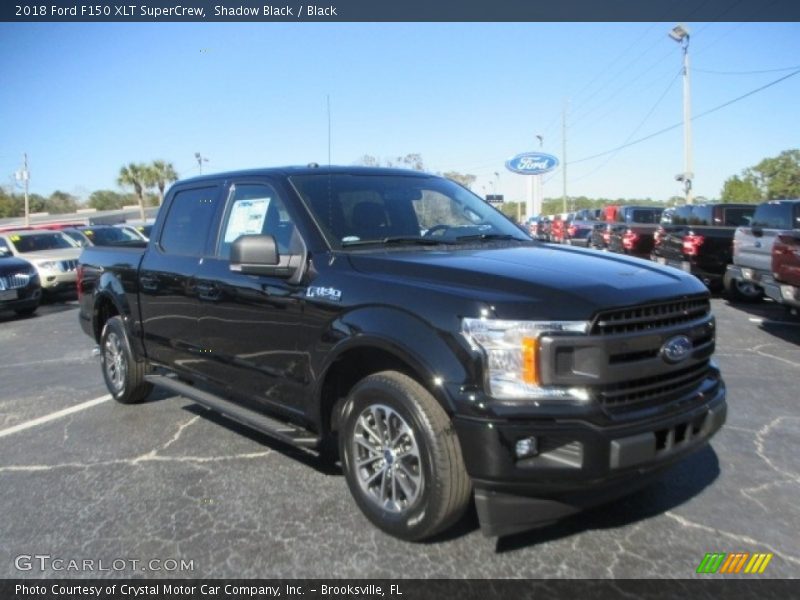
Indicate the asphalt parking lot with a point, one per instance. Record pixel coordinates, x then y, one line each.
167 480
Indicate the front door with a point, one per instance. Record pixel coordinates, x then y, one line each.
256 342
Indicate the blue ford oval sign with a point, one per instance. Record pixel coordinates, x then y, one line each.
532 163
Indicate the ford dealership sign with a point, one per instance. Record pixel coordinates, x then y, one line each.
532 163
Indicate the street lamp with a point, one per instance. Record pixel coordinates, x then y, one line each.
200 160
680 34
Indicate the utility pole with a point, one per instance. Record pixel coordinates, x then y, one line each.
680 34
24 176
564 157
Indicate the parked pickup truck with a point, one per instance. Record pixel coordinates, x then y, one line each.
699 239
633 231
397 322
785 285
752 246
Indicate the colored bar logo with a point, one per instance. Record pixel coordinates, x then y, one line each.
735 562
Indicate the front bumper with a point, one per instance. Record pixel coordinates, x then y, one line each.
58 281
23 298
783 293
578 464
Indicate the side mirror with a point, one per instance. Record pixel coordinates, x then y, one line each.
757 230
258 255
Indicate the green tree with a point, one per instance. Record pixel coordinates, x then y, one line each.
741 189
771 179
161 174
107 200
464 179
61 203
136 176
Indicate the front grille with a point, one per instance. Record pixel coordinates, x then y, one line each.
639 393
650 316
68 265
13 282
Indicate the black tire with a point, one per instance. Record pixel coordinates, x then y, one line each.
123 373
443 490
737 290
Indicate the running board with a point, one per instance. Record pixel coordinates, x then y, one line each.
285 432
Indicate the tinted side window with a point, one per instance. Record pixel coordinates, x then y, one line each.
773 216
701 215
738 217
185 231
682 215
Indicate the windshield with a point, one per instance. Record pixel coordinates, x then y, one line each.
366 209
111 236
41 241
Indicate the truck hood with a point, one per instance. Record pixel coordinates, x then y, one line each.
571 282
59 254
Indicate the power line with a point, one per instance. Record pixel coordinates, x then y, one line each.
676 125
746 72
636 129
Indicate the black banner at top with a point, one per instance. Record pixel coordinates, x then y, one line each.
398 10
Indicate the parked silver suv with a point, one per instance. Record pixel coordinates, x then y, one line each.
54 255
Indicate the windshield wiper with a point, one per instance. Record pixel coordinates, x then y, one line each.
480 237
397 241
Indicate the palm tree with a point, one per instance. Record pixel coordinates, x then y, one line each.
135 175
161 174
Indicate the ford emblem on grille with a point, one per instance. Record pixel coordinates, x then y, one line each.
676 349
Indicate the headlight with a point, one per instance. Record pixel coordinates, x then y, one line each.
512 356
48 265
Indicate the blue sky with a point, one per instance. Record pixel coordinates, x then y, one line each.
84 99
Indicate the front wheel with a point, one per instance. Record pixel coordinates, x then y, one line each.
401 457
738 290
124 375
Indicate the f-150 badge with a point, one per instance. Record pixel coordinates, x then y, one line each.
326 293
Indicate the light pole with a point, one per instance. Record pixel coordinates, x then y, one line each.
24 176
200 160
680 34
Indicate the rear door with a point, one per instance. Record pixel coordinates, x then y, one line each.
167 277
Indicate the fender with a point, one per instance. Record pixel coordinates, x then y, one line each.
435 357
110 288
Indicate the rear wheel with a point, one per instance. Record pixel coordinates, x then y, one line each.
124 375
401 457
739 290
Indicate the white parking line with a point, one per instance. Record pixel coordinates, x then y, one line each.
53 416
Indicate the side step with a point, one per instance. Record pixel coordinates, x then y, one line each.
286 432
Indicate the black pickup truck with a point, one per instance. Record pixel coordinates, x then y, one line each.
699 239
396 322
633 231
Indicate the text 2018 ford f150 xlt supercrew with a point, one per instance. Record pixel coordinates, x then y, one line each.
397 321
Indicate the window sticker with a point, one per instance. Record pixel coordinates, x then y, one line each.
246 218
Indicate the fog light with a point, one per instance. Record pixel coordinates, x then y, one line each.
526 447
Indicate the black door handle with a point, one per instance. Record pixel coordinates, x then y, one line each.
148 283
208 291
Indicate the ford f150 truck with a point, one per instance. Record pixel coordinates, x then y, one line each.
698 238
633 232
395 321
752 245
785 285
